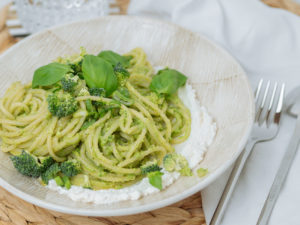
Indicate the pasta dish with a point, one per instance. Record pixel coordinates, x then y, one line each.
101 121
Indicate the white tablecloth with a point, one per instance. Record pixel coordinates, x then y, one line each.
266 42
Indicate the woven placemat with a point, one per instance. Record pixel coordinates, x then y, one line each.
15 211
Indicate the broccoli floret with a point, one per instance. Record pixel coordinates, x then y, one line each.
122 95
74 85
68 82
30 165
169 162
61 104
100 92
50 173
175 162
45 162
26 164
70 168
77 68
75 62
83 92
122 74
80 89
97 92
186 171
150 166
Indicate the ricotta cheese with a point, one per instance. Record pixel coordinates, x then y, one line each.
203 130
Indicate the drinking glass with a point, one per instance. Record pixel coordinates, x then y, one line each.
35 15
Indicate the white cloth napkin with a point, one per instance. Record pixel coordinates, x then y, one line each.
4 3
266 41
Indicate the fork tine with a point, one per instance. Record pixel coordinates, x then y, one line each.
261 107
265 95
271 103
258 89
279 105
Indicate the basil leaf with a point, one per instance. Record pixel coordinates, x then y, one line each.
155 179
97 92
114 58
49 74
98 73
167 81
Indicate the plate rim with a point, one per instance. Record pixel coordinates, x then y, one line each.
151 206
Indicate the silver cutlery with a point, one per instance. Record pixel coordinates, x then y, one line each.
265 128
293 98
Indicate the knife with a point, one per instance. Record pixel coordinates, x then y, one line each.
281 175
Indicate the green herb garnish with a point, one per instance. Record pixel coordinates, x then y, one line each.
114 58
202 172
167 81
155 179
98 73
49 74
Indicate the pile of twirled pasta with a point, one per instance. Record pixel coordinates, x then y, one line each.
118 124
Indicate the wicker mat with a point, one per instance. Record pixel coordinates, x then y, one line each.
18 212
15 211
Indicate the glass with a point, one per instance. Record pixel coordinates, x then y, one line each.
35 15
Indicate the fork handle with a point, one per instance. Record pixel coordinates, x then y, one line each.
233 178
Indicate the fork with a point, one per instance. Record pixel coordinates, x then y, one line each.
265 128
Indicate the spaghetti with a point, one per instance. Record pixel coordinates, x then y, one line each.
112 149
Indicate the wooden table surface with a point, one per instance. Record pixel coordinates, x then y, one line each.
15 211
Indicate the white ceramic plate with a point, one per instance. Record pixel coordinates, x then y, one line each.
221 85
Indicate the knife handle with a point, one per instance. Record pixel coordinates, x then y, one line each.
233 178
280 177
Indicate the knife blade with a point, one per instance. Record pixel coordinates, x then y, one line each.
281 175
